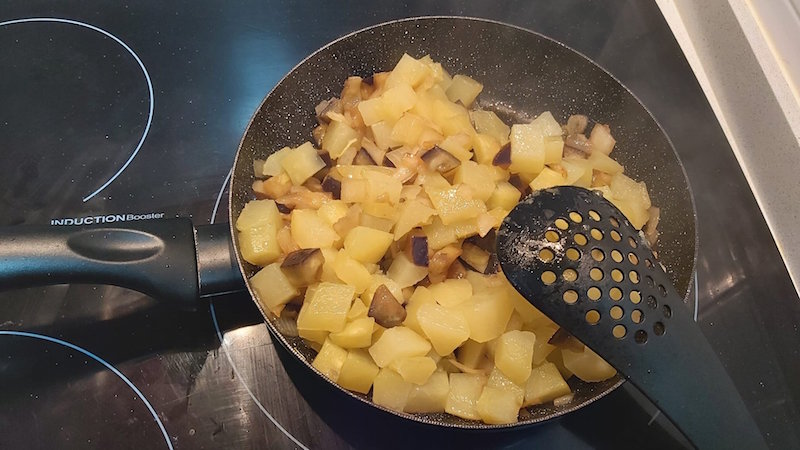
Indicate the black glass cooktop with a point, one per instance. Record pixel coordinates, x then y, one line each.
112 112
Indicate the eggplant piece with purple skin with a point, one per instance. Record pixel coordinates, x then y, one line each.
332 185
363 158
385 308
302 267
503 157
475 257
419 250
440 160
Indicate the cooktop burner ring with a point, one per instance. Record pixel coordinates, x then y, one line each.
138 61
105 364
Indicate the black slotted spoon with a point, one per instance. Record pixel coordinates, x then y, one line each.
576 257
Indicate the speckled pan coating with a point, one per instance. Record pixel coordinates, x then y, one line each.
524 74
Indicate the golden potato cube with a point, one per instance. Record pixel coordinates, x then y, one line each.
542 348
327 308
579 173
464 89
527 148
408 71
259 214
587 365
330 360
505 196
358 309
458 145
332 211
602 162
553 149
544 384
273 288
398 342
497 406
315 338
404 272
451 292
486 148
547 178
487 122
390 390
439 235
367 245
272 166
514 354
601 139
338 138
351 272
445 328
431 396
498 380
635 193
487 314
397 100
548 124
302 163
477 176
310 231
412 214
414 369
471 353
465 390
259 245
358 372
372 111
382 134
328 273
420 296
356 334
455 204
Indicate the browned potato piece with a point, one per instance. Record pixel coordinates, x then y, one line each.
302 267
385 308
272 187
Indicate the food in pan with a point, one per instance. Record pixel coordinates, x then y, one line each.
376 243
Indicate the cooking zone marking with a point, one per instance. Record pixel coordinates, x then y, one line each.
104 363
141 65
224 343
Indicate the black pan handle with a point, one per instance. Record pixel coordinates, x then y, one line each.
156 257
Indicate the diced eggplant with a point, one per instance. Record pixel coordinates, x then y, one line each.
457 270
503 157
332 185
577 124
326 158
313 185
439 263
493 266
517 182
302 267
331 105
475 257
363 159
368 80
440 160
563 339
385 308
283 208
388 162
488 242
419 250
577 145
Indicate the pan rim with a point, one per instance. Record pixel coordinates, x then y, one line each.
477 426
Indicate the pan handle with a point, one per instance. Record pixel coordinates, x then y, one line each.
156 257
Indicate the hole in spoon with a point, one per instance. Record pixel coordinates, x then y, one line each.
548 277
640 336
570 297
619 331
592 316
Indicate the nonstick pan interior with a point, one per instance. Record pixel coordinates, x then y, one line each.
523 74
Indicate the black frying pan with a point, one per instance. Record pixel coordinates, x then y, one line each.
523 73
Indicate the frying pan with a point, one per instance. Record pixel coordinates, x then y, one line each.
524 73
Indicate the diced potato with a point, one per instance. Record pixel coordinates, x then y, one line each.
486 148
372 111
397 100
528 312
408 71
358 372
547 178
330 360
458 145
451 292
542 348
272 166
408 129
631 198
355 190
497 406
579 173
273 288
338 138
587 365
315 338
390 390
420 296
412 214
527 149
505 196
257 214
601 139
332 211
465 390
327 308
452 118
478 177
498 380
456 204
414 369
464 89
439 235
382 134
259 245
604 163
431 396
328 273
545 384
383 187
405 272
446 329
367 245
487 122
553 149
514 354
398 342
310 231
487 314
356 334
358 309
351 271
301 163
